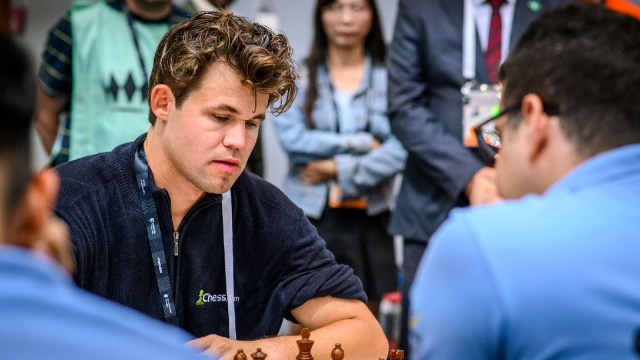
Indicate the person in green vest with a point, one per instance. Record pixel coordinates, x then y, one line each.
194 6
95 68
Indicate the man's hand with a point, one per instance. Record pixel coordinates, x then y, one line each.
214 345
318 171
225 348
483 189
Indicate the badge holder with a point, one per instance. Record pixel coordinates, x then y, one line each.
479 103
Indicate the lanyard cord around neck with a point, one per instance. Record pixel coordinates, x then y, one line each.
136 43
157 248
368 94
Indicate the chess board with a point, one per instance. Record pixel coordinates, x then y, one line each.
304 351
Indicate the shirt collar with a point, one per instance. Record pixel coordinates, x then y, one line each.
482 2
612 165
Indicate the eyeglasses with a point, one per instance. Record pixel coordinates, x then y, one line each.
489 139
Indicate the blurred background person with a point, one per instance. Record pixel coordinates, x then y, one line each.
95 69
442 65
194 6
343 157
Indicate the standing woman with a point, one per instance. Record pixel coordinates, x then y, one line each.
343 157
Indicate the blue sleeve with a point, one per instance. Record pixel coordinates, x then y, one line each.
359 173
455 310
303 143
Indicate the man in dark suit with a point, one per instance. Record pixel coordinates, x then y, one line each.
426 76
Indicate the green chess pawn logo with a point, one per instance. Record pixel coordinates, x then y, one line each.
200 302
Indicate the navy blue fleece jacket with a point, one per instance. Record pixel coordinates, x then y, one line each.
280 261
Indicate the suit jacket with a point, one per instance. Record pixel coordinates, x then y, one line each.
425 105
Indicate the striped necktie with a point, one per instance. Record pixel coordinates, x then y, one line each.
493 54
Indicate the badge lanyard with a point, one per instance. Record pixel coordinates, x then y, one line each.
477 104
367 94
154 235
134 35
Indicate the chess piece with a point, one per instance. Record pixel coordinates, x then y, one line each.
337 353
259 355
304 346
396 354
240 355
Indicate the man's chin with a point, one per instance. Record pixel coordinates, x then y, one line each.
221 185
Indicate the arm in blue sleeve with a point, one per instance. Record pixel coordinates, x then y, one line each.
304 144
358 173
456 312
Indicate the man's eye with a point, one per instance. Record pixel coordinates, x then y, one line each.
221 118
252 124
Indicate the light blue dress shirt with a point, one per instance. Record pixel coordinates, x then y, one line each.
44 316
555 276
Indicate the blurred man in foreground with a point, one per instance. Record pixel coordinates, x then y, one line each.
42 315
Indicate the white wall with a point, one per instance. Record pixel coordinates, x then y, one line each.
295 18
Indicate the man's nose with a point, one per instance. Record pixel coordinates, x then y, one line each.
235 135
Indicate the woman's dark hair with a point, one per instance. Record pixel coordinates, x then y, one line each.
374 45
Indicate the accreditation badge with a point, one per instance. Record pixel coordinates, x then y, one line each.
479 103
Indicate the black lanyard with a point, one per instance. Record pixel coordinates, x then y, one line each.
155 237
134 35
368 94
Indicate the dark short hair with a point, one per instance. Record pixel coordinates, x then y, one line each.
260 57
17 101
584 59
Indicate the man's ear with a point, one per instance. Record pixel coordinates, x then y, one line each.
161 100
36 208
537 125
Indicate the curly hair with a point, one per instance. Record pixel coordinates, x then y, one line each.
260 57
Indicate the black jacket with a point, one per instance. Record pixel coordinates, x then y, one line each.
280 261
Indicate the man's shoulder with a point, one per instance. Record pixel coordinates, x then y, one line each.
252 188
92 176
52 299
491 226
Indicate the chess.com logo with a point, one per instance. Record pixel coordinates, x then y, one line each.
204 298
